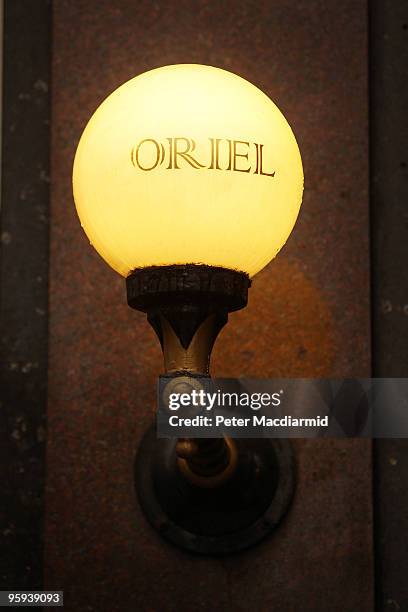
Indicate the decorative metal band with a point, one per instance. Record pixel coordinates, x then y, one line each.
161 286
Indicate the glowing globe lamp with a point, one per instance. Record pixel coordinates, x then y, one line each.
187 181
188 164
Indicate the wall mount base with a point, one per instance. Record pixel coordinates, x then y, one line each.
221 520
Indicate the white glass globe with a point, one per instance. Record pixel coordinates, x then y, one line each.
188 164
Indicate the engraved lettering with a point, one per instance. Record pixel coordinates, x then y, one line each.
182 153
236 155
159 154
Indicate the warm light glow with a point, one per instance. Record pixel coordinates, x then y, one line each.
188 164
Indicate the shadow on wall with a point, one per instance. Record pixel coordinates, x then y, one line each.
287 329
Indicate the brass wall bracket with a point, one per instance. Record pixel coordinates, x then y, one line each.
210 496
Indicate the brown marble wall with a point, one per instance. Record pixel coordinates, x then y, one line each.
308 315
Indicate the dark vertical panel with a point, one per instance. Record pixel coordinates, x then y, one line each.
389 206
23 286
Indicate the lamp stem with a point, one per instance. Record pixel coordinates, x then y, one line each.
187 305
195 358
205 462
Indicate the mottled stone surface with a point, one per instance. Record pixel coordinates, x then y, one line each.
308 315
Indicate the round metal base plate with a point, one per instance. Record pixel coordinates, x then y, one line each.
220 520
